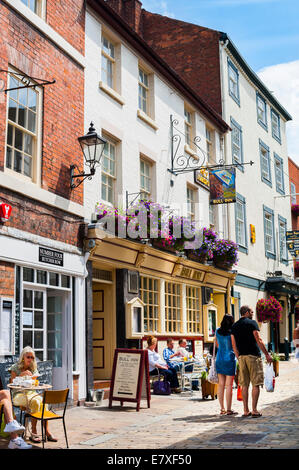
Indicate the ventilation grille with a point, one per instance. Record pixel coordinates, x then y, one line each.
101 275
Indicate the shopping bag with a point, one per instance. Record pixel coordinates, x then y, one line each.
269 378
239 393
213 376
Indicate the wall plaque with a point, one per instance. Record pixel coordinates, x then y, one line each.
49 256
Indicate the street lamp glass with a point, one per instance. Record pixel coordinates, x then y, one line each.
92 146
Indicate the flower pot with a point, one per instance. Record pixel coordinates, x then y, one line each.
198 258
222 264
157 243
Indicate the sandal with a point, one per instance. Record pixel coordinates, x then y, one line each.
246 415
51 438
231 412
223 412
256 415
35 438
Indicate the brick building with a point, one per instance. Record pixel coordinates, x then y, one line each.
42 267
294 191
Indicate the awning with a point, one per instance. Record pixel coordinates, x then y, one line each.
282 285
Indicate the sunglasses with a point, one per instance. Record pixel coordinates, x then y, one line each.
29 357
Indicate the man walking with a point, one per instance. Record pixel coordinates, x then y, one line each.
247 342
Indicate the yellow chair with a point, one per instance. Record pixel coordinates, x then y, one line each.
1 413
51 397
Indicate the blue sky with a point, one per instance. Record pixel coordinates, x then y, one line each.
266 32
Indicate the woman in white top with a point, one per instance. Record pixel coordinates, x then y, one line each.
296 341
156 362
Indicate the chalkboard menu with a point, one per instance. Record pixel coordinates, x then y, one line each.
130 377
45 369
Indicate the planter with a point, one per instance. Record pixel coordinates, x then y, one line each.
198 258
221 264
295 209
208 389
156 243
276 368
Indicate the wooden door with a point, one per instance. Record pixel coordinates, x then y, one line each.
103 330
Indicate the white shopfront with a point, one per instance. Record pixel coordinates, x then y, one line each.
49 300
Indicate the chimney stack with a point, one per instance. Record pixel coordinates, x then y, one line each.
129 10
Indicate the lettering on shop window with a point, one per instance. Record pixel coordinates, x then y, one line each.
50 256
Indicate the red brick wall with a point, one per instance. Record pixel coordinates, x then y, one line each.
40 219
68 19
294 178
130 11
63 103
191 50
7 279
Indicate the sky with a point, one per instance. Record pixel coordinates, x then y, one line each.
266 32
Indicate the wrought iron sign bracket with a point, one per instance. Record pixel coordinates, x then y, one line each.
187 163
26 79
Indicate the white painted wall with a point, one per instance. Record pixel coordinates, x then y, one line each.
134 135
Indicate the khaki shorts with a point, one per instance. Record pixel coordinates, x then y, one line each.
251 370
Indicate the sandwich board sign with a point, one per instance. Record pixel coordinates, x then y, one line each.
130 377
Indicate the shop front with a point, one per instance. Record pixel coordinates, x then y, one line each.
138 290
45 288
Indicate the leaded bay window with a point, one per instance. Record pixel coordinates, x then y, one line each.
150 296
108 62
143 91
173 307
145 179
108 172
193 309
22 128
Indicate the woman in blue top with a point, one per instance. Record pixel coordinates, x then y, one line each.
225 364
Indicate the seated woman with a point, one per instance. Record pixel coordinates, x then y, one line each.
156 362
27 366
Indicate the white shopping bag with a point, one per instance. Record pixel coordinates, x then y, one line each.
269 378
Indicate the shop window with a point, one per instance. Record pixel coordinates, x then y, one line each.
33 321
28 275
193 309
150 296
6 326
173 307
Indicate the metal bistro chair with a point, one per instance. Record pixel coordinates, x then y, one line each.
198 368
51 397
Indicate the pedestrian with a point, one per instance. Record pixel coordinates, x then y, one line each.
225 364
12 426
247 343
296 340
157 365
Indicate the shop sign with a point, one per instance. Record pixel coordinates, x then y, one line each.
202 178
292 235
222 186
49 256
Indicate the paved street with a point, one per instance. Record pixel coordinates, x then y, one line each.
188 422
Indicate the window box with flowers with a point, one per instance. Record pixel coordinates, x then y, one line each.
295 209
268 310
225 254
204 253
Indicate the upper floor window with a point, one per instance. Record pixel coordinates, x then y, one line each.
269 233
22 129
293 193
233 82
261 111
282 223
188 127
237 143
210 145
190 203
143 91
108 62
275 123
35 5
145 178
278 163
265 163
109 171
240 219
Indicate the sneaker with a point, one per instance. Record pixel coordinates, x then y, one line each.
13 426
19 443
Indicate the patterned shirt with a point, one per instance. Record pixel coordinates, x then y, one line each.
167 352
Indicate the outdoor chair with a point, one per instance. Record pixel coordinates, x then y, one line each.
1 413
51 397
198 368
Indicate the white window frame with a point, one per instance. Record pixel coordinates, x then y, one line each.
146 191
145 86
269 220
191 203
110 176
293 191
110 59
41 7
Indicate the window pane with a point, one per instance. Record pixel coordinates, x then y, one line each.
27 298
38 339
18 139
54 279
27 338
41 277
18 162
28 275
38 299
12 110
8 157
31 121
38 319
56 357
65 281
27 165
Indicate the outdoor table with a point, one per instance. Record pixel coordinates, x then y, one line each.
20 388
183 369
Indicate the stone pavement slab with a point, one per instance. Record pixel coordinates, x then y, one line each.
185 422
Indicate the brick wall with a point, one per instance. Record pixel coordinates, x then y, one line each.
130 11
191 50
7 279
30 52
34 217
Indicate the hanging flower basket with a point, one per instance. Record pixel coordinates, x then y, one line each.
268 310
295 209
297 269
225 254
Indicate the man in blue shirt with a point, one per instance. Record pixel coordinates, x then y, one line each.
169 354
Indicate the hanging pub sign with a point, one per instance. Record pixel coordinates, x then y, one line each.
202 178
292 239
222 186
130 377
49 256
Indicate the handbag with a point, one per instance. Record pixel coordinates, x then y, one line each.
213 376
161 387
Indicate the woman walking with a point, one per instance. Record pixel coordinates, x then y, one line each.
225 364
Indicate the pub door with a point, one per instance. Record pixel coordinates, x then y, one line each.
104 332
